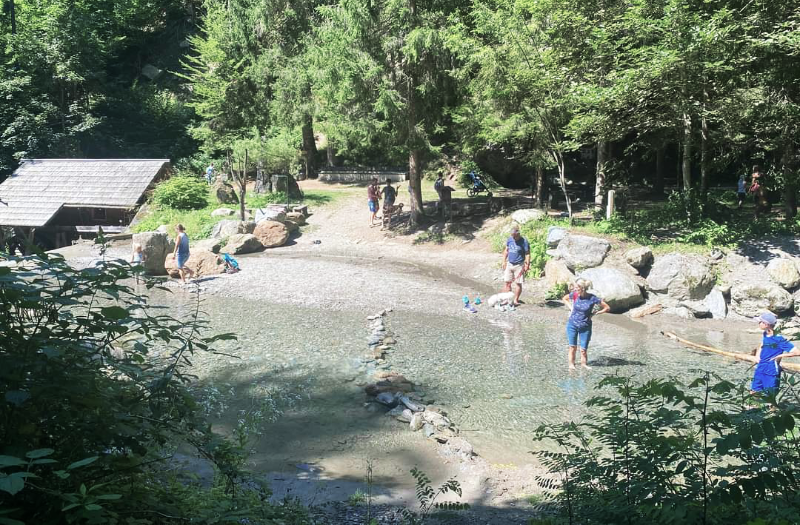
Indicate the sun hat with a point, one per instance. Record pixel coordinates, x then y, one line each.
767 317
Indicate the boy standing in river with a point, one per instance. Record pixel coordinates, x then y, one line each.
772 349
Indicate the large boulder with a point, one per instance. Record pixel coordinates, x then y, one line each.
225 193
527 215
681 276
297 217
271 214
279 183
243 243
715 301
556 272
580 252
223 212
784 272
227 228
271 233
201 262
209 245
155 247
753 297
555 235
640 257
614 287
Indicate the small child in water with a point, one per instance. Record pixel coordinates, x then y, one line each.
773 348
137 255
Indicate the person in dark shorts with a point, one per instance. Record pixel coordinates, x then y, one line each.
182 253
579 325
773 348
741 190
389 195
373 198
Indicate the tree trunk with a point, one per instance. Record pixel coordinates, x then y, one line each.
658 184
562 179
687 152
13 17
414 176
537 197
600 186
330 154
309 146
704 149
243 187
790 182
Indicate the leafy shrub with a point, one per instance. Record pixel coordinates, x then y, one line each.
662 452
182 193
558 291
90 418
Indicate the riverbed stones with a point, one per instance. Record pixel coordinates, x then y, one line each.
271 233
555 235
385 398
201 262
640 258
752 298
223 212
580 252
556 272
243 243
526 215
715 302
155 247
417 421
229 227
698 308
679 311
784 272
225 193
681 276
614 287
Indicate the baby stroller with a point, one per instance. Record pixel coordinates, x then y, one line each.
477 186
231 266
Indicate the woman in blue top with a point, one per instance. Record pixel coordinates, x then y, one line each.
182 253
579 325
773 348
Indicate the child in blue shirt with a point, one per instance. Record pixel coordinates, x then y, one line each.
773 348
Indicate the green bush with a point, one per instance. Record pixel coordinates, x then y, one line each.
181 193
664 452
96 401
465 181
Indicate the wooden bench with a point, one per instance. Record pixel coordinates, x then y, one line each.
357 174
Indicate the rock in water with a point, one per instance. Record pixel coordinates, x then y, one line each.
243 243
201 262
784 272
385 398
414 407
752 298
580 251
615 288
639 258
406 416
271 233
681 276
155 247
225 193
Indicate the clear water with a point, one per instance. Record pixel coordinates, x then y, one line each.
498 379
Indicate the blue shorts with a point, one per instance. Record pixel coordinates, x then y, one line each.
763 382
373 206
181 260
576 336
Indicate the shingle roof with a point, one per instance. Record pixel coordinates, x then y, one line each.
40 187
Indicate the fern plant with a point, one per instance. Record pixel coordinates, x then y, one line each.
427 496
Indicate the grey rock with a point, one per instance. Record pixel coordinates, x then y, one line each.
680 311
681 276
639 258
228 227
155 248
614 287
753 297
411 405
428 430
698 308
396 411
556 272
163 229
416 422
555 235
581 252
385 398
784 272
272 233
405 416
527 215
461 446
225 193
243 243
211 245
301 209
223 212
270 214
150 71
715 302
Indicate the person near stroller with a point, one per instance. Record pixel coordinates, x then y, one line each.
389 195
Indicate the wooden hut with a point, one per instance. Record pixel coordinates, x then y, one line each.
57 200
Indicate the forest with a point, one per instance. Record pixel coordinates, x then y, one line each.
683 93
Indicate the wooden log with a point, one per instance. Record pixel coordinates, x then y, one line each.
789 367
646 310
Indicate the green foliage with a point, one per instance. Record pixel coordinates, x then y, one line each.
665 452
181 193
427 496
536 234
558 291
465 181
92 416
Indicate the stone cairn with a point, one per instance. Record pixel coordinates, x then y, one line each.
400 396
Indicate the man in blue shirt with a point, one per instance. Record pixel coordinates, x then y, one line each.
210 173
516 261
773 348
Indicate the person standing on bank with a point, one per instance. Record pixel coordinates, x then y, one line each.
389 195
579 326
373 198
181 253
741 190
516 261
